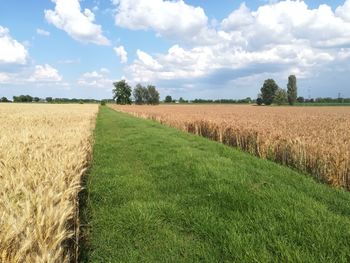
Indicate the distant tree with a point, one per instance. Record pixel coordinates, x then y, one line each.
181 100
281 96
268 91
300 99
49 99
292 89
4 99
153 95
122 92
168 99
140 94
36 99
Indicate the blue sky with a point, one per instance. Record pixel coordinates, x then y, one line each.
192 49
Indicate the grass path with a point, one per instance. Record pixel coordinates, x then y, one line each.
160 195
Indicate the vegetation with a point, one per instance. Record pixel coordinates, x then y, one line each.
23 98
141 94
223 101
44 151
292 89
153 95
286 135
168 99
268 91
4 99
200 201
122 92
281 97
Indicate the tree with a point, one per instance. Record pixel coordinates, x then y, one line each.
300 99
268 91
259 100
292 89
36 99
122 92
281 96
153 95
168 99
181 100
140 94
4 99
49 99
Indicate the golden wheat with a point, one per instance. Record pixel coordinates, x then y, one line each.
315 140
44 150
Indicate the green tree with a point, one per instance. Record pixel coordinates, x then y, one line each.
36 99
259 100
153 95
4 99
292 89
281 96
168 99
140 94
268 91
122 92
49 99
181 100
300 99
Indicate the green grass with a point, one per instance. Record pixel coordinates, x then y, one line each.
160 195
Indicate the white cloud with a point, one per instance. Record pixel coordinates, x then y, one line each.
97 79
277 37
4 77
11 51
344 11
122 54
174 19
45 73
79 25
42 32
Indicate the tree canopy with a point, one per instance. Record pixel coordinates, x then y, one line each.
122 92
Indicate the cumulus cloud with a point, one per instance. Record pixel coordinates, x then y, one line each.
286 36
11 51
79 25
174 19
97 79
122 54
45 73
42 32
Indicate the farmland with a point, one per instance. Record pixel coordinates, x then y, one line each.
157 194
315 140
44 150
154 193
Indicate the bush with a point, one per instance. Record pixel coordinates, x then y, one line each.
259 101
103 103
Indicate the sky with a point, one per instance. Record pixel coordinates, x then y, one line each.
190 49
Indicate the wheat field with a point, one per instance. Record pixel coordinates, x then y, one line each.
44 150
315 140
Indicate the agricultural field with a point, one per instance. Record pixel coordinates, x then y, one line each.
314 140
157 194
44 150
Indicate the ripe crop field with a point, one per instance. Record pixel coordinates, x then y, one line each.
314 140
44 150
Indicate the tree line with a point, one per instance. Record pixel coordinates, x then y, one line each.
30 99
